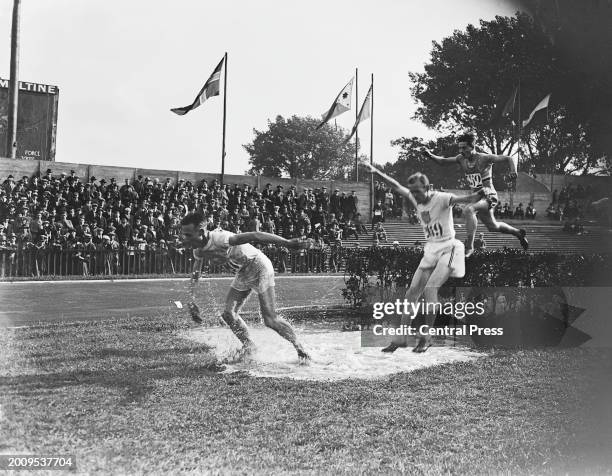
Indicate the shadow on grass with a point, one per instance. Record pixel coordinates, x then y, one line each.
148 354
134 384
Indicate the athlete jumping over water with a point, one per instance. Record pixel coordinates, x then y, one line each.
443 255
254 272
478 169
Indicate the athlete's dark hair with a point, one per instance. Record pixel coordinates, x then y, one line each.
418 179
195 219
467 137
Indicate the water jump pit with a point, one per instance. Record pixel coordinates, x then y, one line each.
336 355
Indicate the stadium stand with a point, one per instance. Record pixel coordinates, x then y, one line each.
56 223
542 238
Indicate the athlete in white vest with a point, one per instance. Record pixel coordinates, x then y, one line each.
478 169
254 272
443 255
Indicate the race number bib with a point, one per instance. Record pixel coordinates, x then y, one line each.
474 180
434 230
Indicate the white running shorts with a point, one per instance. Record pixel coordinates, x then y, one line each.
450 252
258 275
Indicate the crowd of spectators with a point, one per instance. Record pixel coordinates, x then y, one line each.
566 205
571 192
575 204
571 214
520 212
388 203
63 212
60 212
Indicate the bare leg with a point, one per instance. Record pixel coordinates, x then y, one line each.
438 277
413 294
234 301
273 321
471 224
488 219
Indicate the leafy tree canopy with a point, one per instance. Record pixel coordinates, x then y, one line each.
293 147
472 74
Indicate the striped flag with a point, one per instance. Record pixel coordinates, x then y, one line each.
543 104
210 88
341 104
364 113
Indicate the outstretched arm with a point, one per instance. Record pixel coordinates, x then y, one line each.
498 159
263 237
438 159
394 183
470 198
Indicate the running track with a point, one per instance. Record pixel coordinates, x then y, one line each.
31 303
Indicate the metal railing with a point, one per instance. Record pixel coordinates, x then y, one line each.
50 263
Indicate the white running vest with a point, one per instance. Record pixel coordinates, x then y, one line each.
478 172
436 217
221 252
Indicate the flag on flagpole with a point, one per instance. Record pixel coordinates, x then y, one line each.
341 104
364 113
210 88
543 104
509 106
503 110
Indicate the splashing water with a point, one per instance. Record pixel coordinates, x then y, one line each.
335 355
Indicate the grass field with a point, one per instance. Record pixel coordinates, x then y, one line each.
129 395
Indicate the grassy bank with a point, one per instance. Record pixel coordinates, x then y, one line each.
131 395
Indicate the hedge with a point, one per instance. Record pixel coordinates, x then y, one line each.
387 267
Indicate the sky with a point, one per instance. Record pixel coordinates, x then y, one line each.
121 65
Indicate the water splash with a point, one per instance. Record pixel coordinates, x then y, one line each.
335 355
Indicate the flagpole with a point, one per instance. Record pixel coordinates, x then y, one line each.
372 142
357 130
552 165
224 114
13 100
520 125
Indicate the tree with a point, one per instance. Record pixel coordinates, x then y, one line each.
560 144
411 160
294 147
473 72
582 37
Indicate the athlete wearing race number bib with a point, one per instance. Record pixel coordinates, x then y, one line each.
443 255
478 169
436 217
